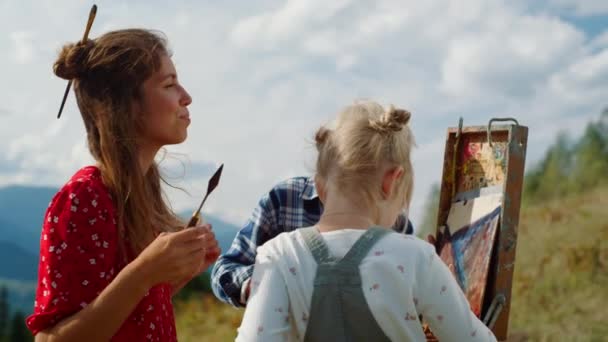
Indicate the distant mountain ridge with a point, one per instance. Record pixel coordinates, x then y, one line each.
17 263
22 211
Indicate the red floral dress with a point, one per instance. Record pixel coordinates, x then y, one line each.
78 259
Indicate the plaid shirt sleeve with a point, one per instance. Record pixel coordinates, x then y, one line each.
235 266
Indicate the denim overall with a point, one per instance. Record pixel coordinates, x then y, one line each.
339 311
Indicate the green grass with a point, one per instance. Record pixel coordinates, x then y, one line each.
560 288
204 318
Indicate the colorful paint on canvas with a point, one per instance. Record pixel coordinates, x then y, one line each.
468 251
481 164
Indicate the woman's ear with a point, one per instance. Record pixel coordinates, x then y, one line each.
390 180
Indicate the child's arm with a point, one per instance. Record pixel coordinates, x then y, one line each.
267 315
444 306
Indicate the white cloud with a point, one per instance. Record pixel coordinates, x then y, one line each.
510 55
23 47
294 18
590 72
265 74
601 41
582 7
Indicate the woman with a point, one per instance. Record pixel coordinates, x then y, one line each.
112 251
347 278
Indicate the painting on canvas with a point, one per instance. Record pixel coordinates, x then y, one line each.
472 225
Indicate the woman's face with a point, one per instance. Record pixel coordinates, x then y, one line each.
164 107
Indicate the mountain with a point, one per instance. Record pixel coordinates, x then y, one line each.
22 209
224 231
18 273
16 263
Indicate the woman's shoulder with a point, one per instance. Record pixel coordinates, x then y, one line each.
87 175
84 189
86 180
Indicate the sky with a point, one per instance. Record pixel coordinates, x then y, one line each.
265 74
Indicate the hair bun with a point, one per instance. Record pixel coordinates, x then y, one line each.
71 62
392 120
322 136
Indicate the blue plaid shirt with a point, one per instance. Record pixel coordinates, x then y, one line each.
290 205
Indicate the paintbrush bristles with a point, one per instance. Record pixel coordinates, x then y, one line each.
215 179
213 182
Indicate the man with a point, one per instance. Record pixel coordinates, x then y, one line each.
290 205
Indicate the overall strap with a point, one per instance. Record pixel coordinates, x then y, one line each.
316 245
362 246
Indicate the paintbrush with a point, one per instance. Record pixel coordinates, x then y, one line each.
92 14
213 182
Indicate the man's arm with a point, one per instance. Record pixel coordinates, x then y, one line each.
233 269
403 225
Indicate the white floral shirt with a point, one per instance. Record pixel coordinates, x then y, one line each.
402 278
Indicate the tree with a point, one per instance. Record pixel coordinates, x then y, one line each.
591 158
196 286
571 167
4 311
19 331
550 178
431 208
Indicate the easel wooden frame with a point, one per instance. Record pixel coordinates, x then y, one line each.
500 276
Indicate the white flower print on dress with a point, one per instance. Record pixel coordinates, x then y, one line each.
79 255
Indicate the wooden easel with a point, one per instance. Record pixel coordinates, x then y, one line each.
503 172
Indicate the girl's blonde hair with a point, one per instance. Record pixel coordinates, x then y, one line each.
366 139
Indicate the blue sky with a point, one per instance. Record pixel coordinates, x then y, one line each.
265 74
592 25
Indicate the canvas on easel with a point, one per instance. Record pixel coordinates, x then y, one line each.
481 162
472 225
